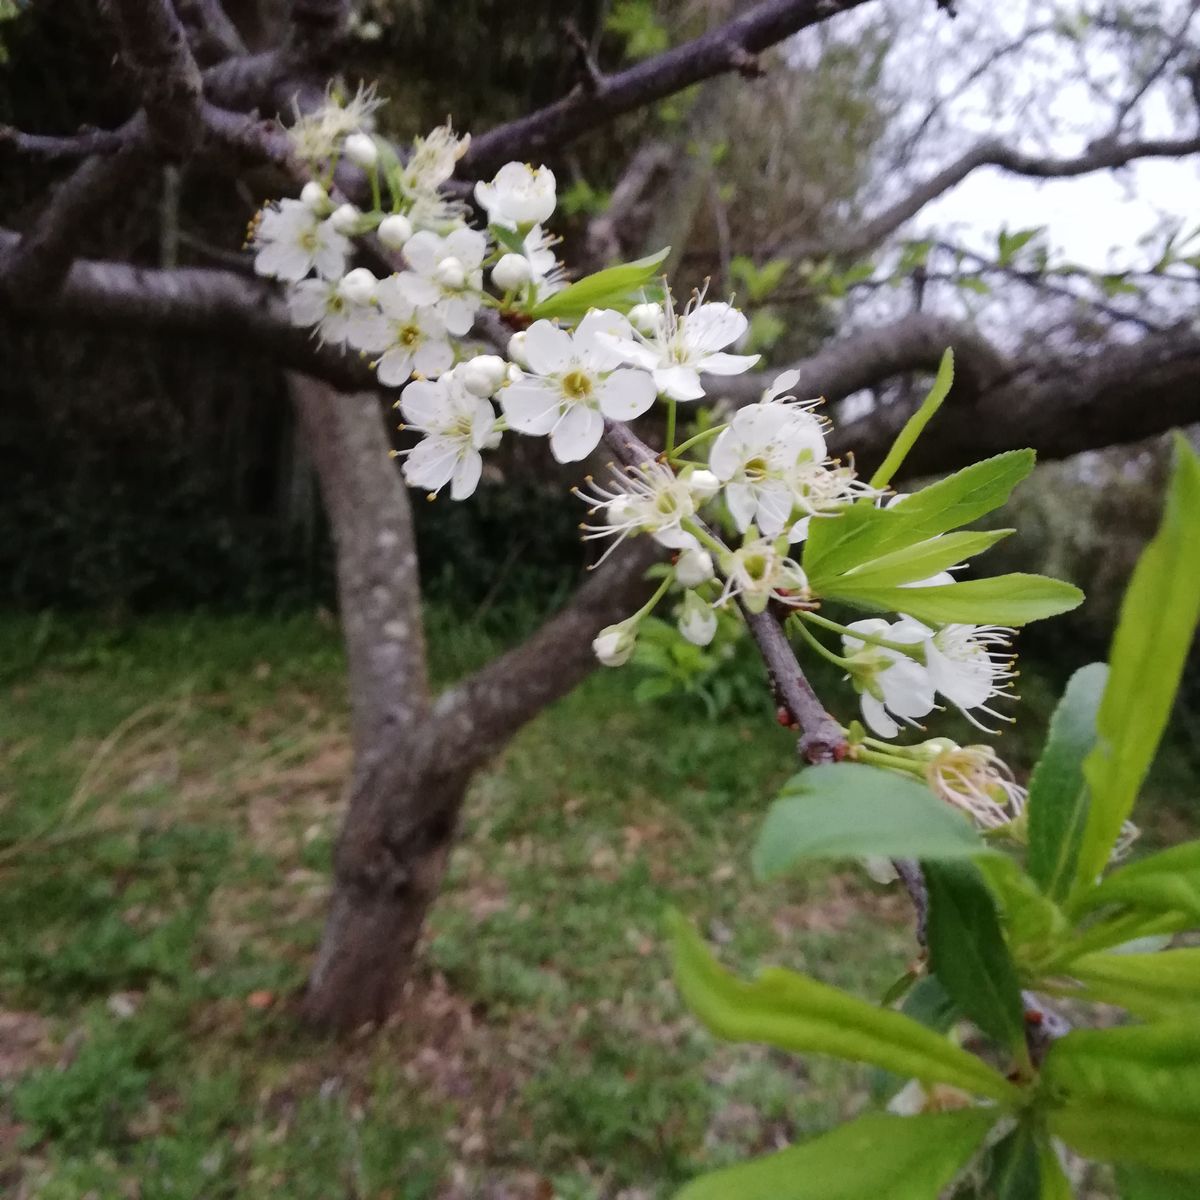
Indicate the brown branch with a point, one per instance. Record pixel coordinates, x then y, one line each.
46 148
155 45
822 738
1103 156
214 35
729 47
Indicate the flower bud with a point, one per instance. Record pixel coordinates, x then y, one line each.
483 374
394 231
703 484
361 150
513 373
516 349
694 567
646 318
613 645
697 622
345 218
450 273
511 272
358 286
315 198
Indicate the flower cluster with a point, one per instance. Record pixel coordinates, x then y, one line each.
735 503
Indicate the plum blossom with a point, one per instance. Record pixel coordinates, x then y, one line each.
317 135
456 425
648 499
969 665
760 571
976 780
683 345
574 382
447 273
291 240
890 683
339 318
519 196
410 337
430 164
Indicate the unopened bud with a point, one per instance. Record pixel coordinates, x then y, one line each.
450 273
361 150
358 286
703 484
646 318
695 566
345 218
613 646
315 198
483 374
516 349
394 231
511 272
697 622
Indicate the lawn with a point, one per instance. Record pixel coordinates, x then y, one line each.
169 793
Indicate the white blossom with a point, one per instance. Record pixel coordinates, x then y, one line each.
358 286
760 571
519 195
683 345
889 682
430 164
483 374
614 645
447 272
411 337
647 499
574 382
697 620
511 272
456 425
975 780
338 319
546 275
317 135
345 219
969 665
291 240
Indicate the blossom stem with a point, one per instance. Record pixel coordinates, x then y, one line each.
697 439
822 650
891 761
916 653
702 535
648 607
376 197
671 405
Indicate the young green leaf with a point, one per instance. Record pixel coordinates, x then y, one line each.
1168 881
913 563
915 425
863 532
614 287
1143 1183
1000 600
1058 796
1054 1183
783 1009
902 1158
850 810
1154 986
1033 924
1012 1170
1130 1094
968 954
1157 622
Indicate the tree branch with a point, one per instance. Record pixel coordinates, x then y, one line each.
83 144
729 47
1101 156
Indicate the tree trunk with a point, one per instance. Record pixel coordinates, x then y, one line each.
388 870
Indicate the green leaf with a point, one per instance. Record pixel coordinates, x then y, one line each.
1033 924
1058 796
1054 1183
915 425
1158 618
510 239
849 810
902 1158
863 532
1013 1171
1000 600
968 954
614 287
783 1009
1168 881
1128 1095
919 561
1142 1183
1155 986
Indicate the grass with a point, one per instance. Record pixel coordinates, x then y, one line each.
169 795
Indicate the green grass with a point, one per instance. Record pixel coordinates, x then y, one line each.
169 795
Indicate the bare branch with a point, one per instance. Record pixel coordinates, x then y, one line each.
155 44
729 47
84 144
215 36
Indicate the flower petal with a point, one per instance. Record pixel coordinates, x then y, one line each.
433 357
548 349
876 717
425 404
626 394
742 504
727 364
530 406
679 383
712 327
576 433
466 475
394 367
